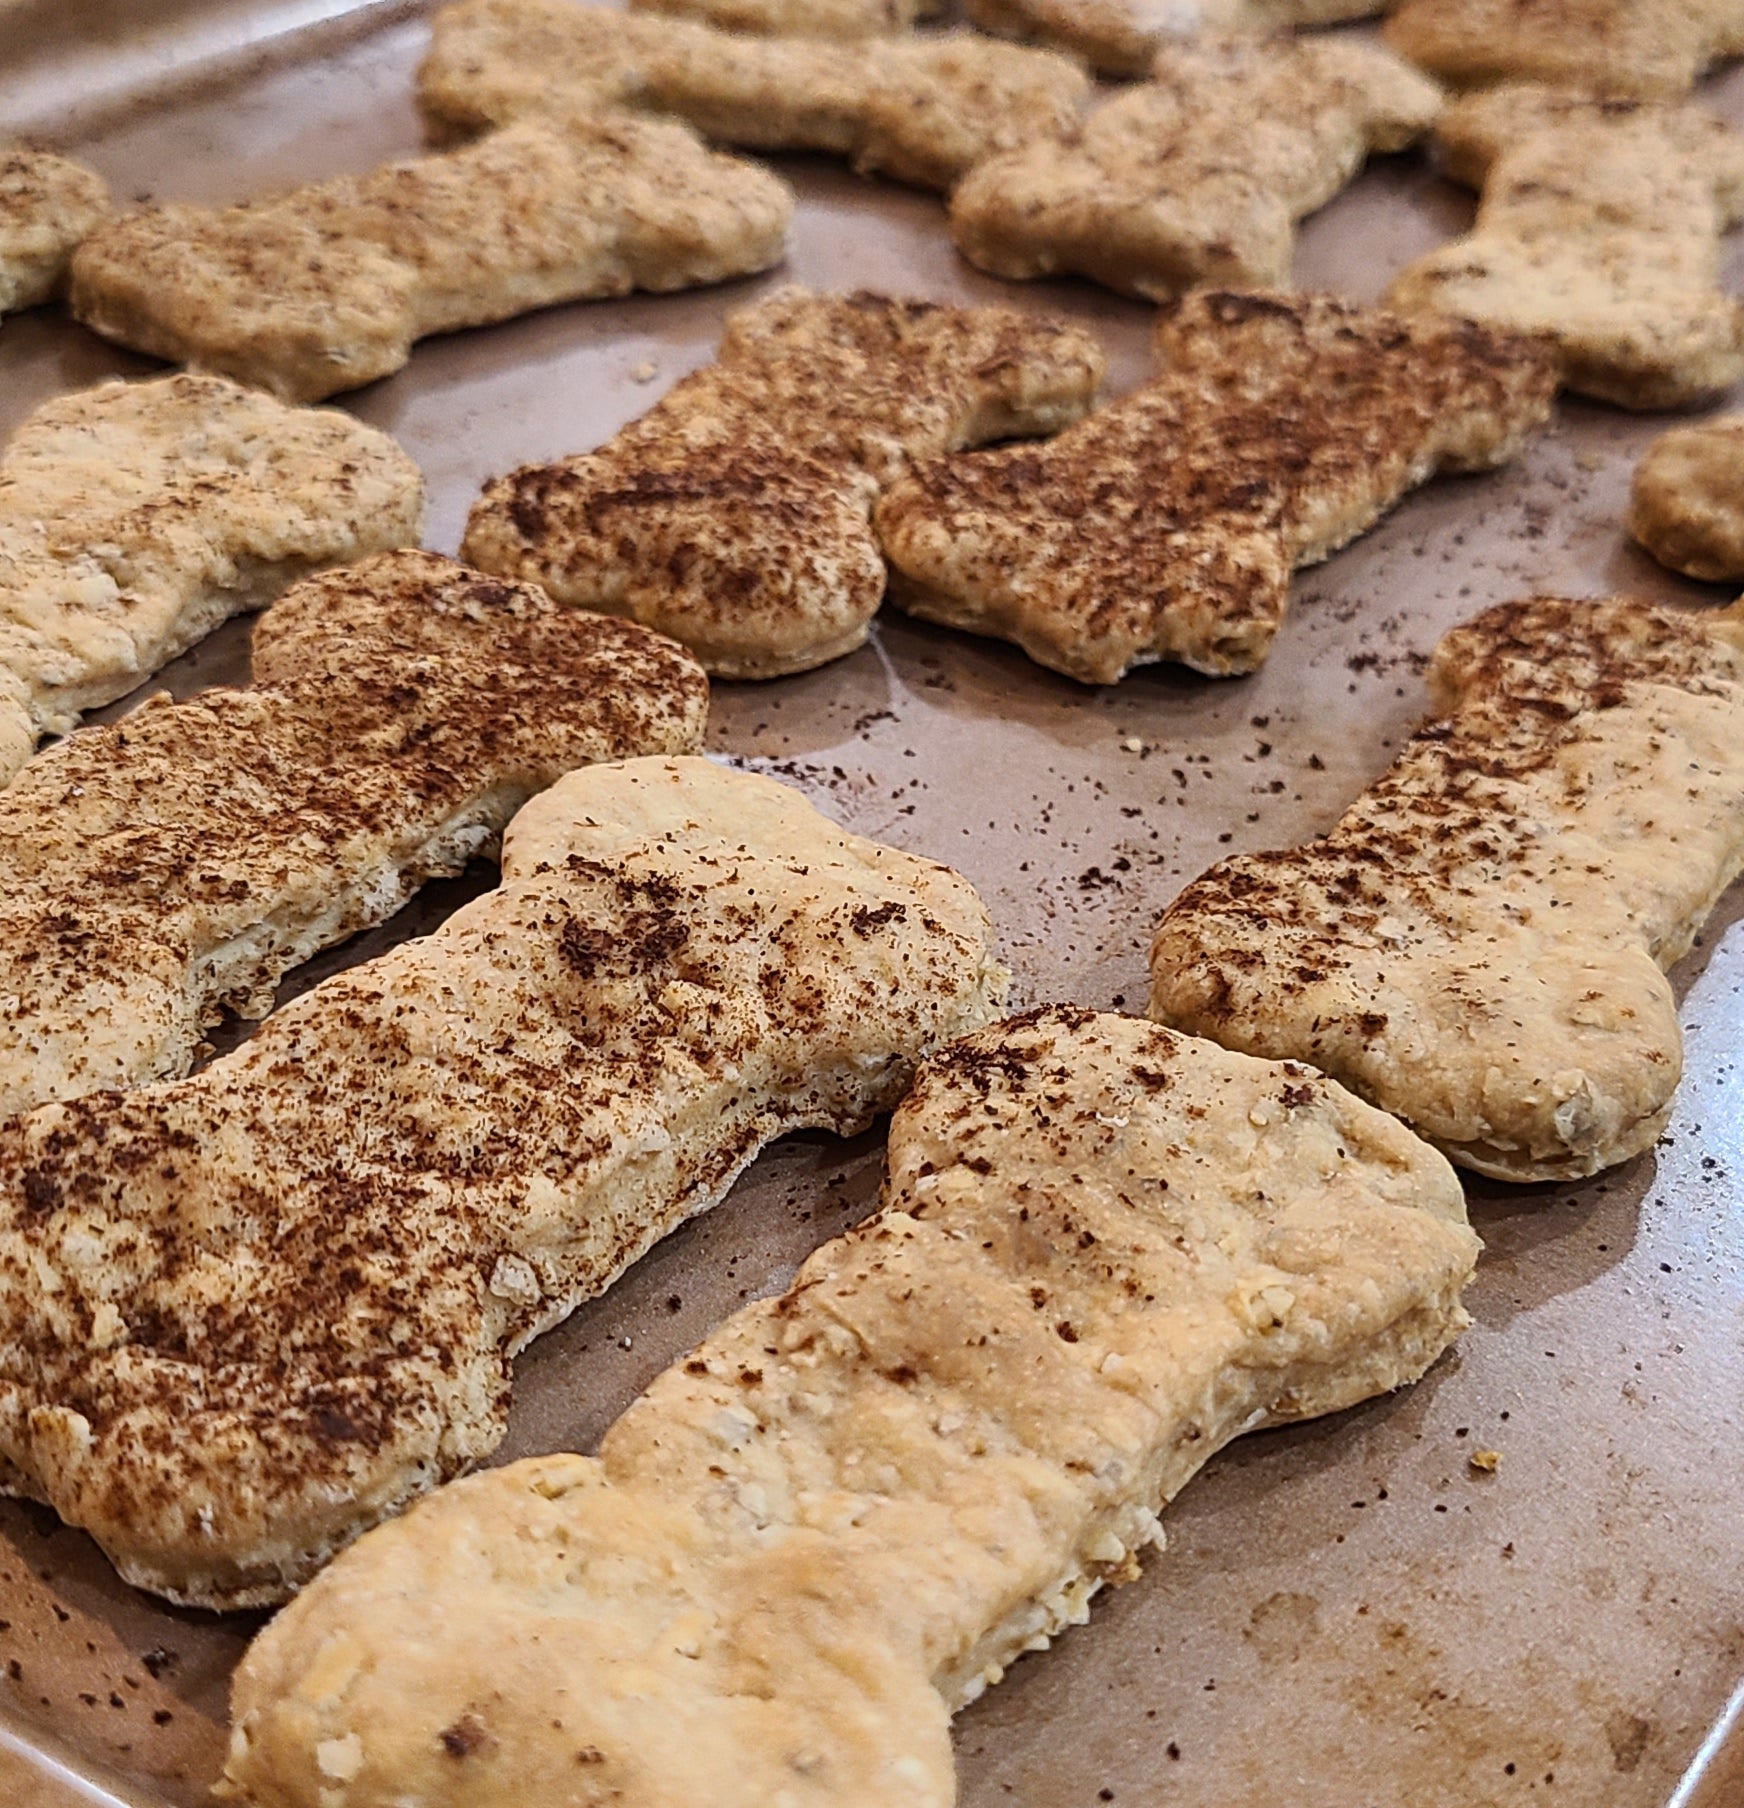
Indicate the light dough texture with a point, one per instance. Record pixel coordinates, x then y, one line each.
327 287
136 517
736 515
47 205
920 109
1105 1251
159 872
1477 946
247 1314
1167 524
1687 503
837 20
1200 174
1121 37
1648 48
1599 229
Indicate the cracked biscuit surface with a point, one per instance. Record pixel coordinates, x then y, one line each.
327 287
736 515
852 21
1167 524
47 205
920 109
246 1314
159 871
1598 229
1686 505
1650 48
136 517
1105 1251
1479 945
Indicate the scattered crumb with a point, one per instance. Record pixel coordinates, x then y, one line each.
645 372
1486 1462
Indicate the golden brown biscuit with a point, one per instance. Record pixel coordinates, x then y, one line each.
1167 524
47 205
135 517
1200 174
1478 945
1599 230
1649 48
327 287
1687 503
919 109
158 872
1106 1250
736 515
850 20
245 1315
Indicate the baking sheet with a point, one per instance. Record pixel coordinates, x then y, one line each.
1347 1614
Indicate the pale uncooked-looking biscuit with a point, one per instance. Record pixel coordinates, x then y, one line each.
1598 229
47 205
1120 37
920 109
160 871
1200 174
1650 48
850 20
136 517
1167 524
1478 944
736 515
1687 503
1105 1251
327 287
247 1314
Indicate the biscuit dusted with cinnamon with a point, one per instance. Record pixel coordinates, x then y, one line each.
47 205
1599 230
247 1314
1198 175
1167 524
1649 48
158 872
736 515
327 287
1479 945
1105 1251
136 517
1121 37
849 21
1687 502
920 109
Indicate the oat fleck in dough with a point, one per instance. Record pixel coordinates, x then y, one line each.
922 110
1478 945
1687 503
136 517
1599 229
837 20
47 205
1105 1251
1120 37
1167 524
1648 48
327 287
247 1314
178 863
736 515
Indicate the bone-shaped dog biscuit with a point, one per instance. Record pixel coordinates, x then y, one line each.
1599 230
1686 505
1478 945
1649 48
327 287
736 515
1200 174
47 205
246 1314
177 864
921 109
1106 1250
136 517
1167 524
